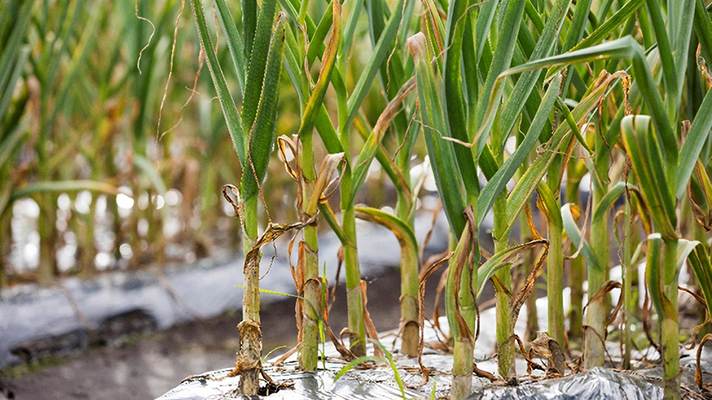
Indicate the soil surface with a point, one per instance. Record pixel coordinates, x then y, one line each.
146 367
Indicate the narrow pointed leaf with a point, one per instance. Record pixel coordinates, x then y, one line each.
699 260
257 63
627 48
495 185
703 28
327 67
10 49
7 90
525 83
644 151
77 63
232 38
680 22
522 192
370 70
553 211
501 61
665 52
653 273
453 95
232 117
611 197
371 146
579 21
693 145
316 41
10 143
611 24
499 260
484 22
403 232
323 123
574 233
442 156
262 134
249 25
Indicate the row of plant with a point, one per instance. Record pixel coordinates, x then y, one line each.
514 101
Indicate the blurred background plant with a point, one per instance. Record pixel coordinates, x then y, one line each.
112 154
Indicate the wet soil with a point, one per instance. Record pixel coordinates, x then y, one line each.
145 367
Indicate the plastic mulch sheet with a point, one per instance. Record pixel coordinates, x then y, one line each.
596 384
379 382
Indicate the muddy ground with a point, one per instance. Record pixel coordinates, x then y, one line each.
145 367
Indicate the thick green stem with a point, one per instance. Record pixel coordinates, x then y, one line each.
249 356
251 294
459 303
529 263
669 330
410 337
505 344
462 369
525 235
250 351
630 273
311 306
595 332
354 299
410 268
661 276
554 283
500 235
310 310
555 258
409 331
576 271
